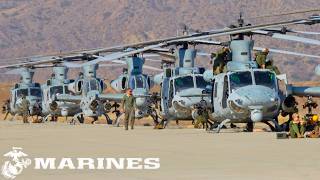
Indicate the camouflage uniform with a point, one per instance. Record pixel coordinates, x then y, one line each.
6 108
261 58
269 65
296 129
313 130
128 103
220 61
202 118
24 109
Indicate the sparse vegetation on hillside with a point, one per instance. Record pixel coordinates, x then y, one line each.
40 27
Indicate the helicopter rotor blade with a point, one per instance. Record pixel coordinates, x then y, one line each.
288 37
151 68
287 52
305 32
271 50
71 65
118 55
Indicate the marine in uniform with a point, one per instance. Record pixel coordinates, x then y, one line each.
220 60
24 108
128 105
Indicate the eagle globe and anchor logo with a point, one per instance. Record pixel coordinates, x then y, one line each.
18 162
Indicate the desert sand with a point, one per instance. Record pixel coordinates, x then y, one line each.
184 153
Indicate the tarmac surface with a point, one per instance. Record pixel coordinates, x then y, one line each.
184 153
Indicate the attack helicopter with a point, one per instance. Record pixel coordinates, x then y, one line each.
140 83
149 45
247 94
25 88
87 92
57 84
182 86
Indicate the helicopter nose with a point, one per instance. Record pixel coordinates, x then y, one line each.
141 96
255 100
140 101
256 115
189 97
254 95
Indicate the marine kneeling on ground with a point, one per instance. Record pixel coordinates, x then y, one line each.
297 126
313 127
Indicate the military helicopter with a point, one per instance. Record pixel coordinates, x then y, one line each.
140 83
247 94
182 86
149 45
57 84
87 92
25 88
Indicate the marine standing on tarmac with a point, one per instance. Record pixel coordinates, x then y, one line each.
128 105
24 109
220 60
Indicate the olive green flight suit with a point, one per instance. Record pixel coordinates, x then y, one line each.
261 58
296 130
24 109
128 103
269 65
203 119
220 62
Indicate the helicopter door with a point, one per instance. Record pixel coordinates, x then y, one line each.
171 93
220 93
213 93
165 97
225 92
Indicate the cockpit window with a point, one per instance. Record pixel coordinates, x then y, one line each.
21 92
182 83
201 83
94 85
139 82
132 83
240 79
35 92
56 90
66 90
265 78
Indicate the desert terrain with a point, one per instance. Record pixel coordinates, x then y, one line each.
184 153
36 27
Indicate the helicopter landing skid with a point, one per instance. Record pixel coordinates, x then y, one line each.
117 121
218 128
46 119
77 119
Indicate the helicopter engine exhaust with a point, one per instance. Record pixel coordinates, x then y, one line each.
107 106
53 106
93 105
76 87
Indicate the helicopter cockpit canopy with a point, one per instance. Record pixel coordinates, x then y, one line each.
28 92
138 81
257 77
92 85
59 90
190 81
